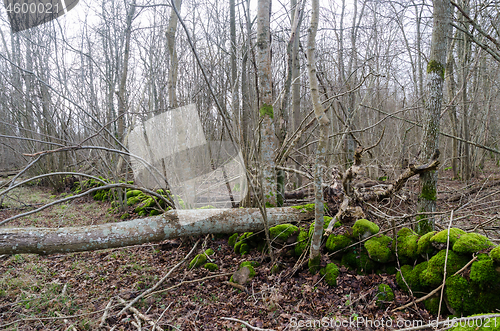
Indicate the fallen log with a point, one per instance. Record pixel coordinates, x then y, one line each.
172 224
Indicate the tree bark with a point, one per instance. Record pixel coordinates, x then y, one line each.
172 224
320 162
268 136
435 80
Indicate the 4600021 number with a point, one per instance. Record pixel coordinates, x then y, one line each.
33 8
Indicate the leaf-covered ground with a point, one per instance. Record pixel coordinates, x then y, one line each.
72 291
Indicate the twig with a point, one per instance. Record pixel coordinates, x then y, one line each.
71 326
160 281
105 314
245 323
436 289
445 263
235 285
187 282
139 314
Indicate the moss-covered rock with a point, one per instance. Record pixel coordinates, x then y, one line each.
363 229
407 243
404 272
250 265
244 248
483 273
331 274
379 249
460 295
433 275
211 266
302 243
349 259
283 231
495 254
337 242
440 239
471 243
313 264
232 240
432 305
384 295
209 252
198 261
364 263
424 245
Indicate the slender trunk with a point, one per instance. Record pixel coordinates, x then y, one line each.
451 84
320 162
296 113
268 136
172 73
435 80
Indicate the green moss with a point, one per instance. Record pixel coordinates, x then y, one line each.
461 296
337 242
244 248
232 240
154 212
364 263
302 243
424 245
313 264
471 243
407 243
198 261
495 254
428 192
404 272
349 259
435 66
266 110
384 295
282 231
424 225
439 239
379 249
432 305
250 265
483 273
211 266
433 275
209 252
331 274
363 228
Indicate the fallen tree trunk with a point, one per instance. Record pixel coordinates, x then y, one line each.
172 224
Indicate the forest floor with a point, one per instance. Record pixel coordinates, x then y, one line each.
72 291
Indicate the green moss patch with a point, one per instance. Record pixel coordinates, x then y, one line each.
471 243
439 240
211 266
407 243
283 231
198 261
424 245
483 273
266 110
495 254
331 272
433 275
302 242
232 240
384 295
363 228
337 242
379 249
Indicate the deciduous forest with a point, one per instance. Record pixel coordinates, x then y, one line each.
253 165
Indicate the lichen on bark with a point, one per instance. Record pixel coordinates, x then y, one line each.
435 66
266 110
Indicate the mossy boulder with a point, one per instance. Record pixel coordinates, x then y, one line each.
433 275
209 252
440 239
282 232
384 295
412 278
483 273
349 259
331 272
363 229
404 272
364 263
424 245
198 261
251 265
407 243
379 249
432 305
495 254
211 266
302 243
245 243
337 242
471 243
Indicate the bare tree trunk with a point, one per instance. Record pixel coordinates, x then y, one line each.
435 80
296 113
172 73
268 136
451 85
320 163
172 224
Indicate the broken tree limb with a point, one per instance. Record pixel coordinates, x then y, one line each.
172 224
